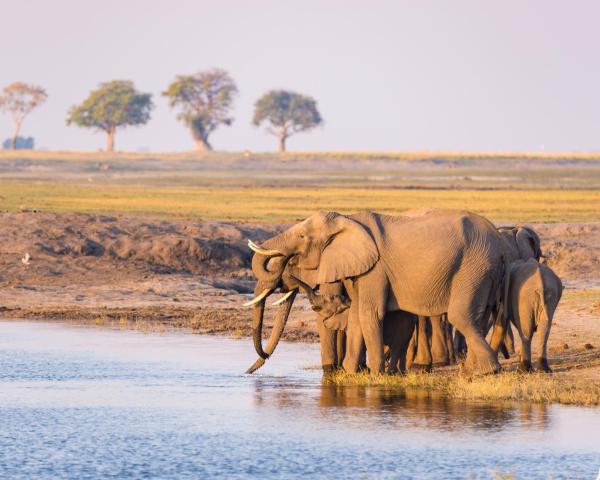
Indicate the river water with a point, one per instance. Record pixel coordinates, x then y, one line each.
80 402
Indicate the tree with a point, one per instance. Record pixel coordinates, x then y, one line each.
21 143
114 104
287 112
205 101
20 99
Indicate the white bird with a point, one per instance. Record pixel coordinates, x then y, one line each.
26 259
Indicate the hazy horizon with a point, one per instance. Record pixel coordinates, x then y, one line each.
387 76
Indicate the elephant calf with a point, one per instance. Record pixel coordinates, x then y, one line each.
332 306
534 293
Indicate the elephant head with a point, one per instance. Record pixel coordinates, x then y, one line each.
331 305
326 247
522 242
528 243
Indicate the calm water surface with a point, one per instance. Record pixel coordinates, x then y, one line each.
79 402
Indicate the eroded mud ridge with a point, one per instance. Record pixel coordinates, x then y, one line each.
185 272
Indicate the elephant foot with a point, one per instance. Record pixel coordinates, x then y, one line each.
524 367
487 365
420 367
329 369
542 365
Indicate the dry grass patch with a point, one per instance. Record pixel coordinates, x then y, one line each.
539 388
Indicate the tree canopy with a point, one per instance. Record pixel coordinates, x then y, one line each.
287 113
19 99
205 101
114 104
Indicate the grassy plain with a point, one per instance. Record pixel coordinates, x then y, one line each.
285 204
270 188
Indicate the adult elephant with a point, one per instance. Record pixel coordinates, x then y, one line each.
332 337
520 242
427 262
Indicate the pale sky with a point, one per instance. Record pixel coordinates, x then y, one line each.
387 75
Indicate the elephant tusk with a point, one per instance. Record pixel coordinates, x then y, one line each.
258 298
267 253
284 298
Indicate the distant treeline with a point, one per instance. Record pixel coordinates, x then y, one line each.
204 102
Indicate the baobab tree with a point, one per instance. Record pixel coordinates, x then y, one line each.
113 104
20 99
287 113
205 101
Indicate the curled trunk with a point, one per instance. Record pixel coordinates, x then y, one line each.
260 268
281 317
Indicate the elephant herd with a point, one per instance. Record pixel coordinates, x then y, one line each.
409 291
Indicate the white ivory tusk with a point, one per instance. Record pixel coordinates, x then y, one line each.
267 253
257 299
284 298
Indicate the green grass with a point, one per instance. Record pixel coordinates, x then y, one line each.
538 388
291 203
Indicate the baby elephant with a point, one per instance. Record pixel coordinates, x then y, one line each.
332 306
534 293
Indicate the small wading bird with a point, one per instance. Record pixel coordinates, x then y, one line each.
26 259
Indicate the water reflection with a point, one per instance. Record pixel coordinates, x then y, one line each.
416 409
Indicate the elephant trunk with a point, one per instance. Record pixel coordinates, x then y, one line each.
312 296
260 267
281 318
258 313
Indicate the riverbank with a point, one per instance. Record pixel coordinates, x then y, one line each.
155 274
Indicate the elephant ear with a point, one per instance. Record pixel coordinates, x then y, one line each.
351 251
528 243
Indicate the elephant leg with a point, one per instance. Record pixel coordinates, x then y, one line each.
354 342
327 341
372 302
373 336
467 311
411 350
500 327
439 349
394 360
362 358
340 347
509 340
449 342
422 361
525 334
543 332
460 345
525 364
407 339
